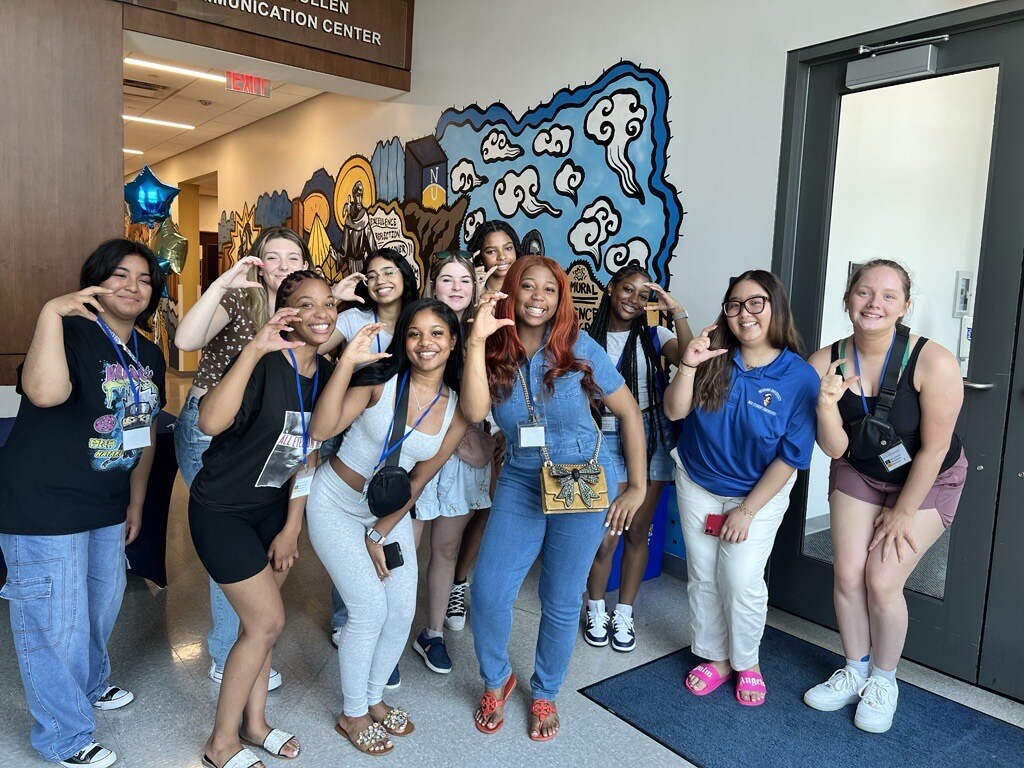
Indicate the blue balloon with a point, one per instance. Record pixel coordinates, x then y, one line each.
148 198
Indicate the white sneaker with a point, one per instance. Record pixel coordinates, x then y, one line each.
114 698
92 755
877 706
596 632
840 690
217 675
455 616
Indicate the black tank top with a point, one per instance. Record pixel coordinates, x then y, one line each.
905 417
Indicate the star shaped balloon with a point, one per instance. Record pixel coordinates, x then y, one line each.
148 198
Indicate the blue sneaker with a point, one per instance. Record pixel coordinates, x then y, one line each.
394 681
434 654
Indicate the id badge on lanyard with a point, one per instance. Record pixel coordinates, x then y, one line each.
304 478
532 432
138 416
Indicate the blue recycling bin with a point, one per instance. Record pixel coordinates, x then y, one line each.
655 542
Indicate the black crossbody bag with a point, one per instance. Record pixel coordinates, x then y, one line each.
873 435
390 488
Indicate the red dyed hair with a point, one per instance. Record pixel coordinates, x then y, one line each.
505 352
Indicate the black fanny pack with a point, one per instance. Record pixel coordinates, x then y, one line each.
873 435
390 488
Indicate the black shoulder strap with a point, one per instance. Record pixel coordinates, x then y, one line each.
398 431
892 373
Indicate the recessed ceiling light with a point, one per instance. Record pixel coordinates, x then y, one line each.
176 70
165 123
131 151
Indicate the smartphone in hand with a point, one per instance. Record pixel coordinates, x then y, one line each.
713 525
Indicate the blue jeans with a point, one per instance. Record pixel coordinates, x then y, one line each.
65 593
189 445
516 533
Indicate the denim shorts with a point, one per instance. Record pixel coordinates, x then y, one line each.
457 489
662 467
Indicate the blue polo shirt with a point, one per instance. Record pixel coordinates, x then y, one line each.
769 414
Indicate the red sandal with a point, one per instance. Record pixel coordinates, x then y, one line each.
542 709
489 703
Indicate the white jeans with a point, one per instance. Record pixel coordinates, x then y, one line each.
726 588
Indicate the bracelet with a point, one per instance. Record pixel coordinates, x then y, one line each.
685 365
682 314
746 511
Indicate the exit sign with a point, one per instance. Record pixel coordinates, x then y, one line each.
247 84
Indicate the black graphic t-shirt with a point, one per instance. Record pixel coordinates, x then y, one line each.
63 469
249 464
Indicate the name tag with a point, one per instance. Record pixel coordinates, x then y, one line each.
609 424
895 457
303 480
135 438
531 435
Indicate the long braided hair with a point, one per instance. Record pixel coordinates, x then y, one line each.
638 330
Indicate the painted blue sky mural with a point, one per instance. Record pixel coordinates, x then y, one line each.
586 169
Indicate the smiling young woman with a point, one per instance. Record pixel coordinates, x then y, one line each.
526 343
244 513
747 397
897 502
92 387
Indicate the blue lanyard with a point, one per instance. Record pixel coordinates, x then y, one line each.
387 451
120 357
376 336
885 367
302 404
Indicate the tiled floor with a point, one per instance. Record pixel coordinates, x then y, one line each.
158 651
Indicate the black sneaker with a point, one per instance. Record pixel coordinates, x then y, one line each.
455 616
93 755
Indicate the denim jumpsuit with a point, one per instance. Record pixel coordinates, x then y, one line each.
518 530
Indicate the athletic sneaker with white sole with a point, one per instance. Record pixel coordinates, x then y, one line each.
623 634
217 675
596 631
878 699
455 616
92 755
840 690
114 698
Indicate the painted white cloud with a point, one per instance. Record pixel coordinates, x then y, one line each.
497 146
465 178
515 192
614 122
598 222
568 180
555 141
473 220
620 254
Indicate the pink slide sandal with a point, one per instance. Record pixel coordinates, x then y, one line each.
750 682
711 677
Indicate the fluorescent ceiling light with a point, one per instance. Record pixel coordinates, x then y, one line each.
176 70
131 151
165 123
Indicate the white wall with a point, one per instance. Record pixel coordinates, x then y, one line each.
209 213
911 180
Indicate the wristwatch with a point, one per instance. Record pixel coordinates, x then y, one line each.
375 536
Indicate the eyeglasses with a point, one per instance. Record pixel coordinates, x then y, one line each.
754 305
387 274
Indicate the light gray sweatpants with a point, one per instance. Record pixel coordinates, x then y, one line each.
379 614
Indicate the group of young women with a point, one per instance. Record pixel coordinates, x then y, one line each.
503 397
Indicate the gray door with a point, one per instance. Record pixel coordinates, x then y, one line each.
930 172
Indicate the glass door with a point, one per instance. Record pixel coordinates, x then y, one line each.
931 173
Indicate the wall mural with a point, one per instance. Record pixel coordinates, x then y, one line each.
581 177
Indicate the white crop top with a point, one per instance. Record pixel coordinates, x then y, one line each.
365 439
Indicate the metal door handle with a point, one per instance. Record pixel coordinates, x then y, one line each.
981 386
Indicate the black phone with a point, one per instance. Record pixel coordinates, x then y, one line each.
393 555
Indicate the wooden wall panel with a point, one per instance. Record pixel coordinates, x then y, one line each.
61 164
